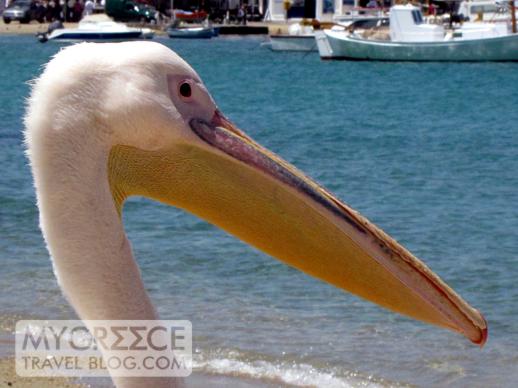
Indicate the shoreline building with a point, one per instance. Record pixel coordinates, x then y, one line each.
323 10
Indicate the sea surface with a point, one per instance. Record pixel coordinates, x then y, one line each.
429 152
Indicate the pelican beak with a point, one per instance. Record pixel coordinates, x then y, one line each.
231 181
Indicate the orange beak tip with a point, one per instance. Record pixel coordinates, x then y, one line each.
484 334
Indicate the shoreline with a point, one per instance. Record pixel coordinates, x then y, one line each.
195 380
203 375
33 28
10 378
198 378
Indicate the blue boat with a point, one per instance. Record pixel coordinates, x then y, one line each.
191 32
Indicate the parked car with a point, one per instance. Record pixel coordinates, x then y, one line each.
24 11
128 10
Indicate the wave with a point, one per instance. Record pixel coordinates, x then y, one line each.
247 365
290 373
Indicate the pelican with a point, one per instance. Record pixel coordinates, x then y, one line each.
109 121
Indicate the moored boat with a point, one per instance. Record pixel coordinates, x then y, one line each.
408 38
191 32
287 42
97 27
180 29
299 38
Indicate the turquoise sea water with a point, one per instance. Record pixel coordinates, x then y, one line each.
429 152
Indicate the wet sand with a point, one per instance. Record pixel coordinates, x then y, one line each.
9 378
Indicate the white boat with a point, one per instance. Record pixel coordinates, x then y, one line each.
191 32
97 27
302 37
408 38
286 42
299 38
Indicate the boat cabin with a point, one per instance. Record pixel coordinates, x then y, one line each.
407 25
483 10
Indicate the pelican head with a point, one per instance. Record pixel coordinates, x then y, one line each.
108 121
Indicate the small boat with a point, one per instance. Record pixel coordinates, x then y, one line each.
190 16
299 38
97 27
409 38
191 32
180 29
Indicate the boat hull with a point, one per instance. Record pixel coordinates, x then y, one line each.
62 35
339 45
191 33
293 43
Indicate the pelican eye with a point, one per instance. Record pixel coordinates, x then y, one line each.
185 89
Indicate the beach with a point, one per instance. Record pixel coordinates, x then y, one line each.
27 29
426 151
11 379
33 28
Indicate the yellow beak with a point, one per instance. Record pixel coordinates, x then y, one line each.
232 182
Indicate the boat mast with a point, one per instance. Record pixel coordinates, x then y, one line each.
513 15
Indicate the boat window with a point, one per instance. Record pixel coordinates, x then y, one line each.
484 8
417 16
